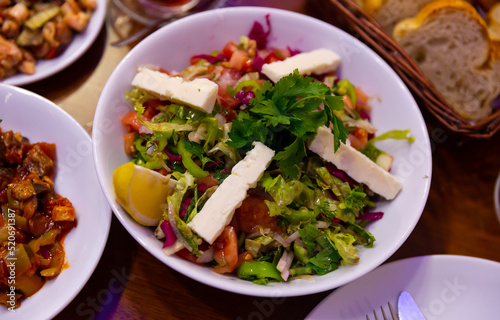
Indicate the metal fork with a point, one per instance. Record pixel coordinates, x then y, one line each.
392 313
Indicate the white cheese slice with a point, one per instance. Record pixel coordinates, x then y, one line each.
219 208
200 94
317 61
355 164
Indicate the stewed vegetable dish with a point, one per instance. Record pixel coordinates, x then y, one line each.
34 219
38 29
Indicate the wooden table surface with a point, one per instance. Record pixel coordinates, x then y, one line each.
129 283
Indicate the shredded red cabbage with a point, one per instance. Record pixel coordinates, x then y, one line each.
212 164
364 115
340 174
170 236
293 51
258 34
211 59
184 207
202 187
173 157
245 96
371 215
257 63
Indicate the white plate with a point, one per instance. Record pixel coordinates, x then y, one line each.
40 120
446 287
393 108
78 46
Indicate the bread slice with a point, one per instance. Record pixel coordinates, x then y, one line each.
389 12
449 41
492 18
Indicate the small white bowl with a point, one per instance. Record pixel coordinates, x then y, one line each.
78 46
40 120
393 108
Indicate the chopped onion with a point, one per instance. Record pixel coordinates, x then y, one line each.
284 264
207 256
151 150
159 233
321 225
178 234
143 129
286 242
220 118
258 233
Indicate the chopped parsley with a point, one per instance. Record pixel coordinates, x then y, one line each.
284 116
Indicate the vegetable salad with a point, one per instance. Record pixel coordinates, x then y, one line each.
305 216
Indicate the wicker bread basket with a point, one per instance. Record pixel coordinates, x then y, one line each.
347 15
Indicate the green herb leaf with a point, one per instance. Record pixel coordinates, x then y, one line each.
286 115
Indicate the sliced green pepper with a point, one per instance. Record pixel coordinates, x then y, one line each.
300 253
258 271
188 162
345 87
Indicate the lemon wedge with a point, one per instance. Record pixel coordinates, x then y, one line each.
142 192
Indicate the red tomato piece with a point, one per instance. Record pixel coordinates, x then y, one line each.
186 254
226 99
229 48
239 60
272 57
252 214
128 139
130 121
226 251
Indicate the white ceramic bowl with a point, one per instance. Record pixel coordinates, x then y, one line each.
78 46
75 178
393 108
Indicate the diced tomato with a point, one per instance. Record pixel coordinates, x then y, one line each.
163 71
347 102
226 99
209 181
358 138
128 139
151 110
229 48
272 57
362 100
361 134
130 118
252 214
240 61
186 254
130 121
226 251
283 53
